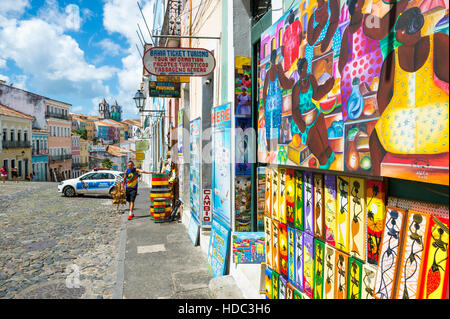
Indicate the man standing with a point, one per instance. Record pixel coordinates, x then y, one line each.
130 181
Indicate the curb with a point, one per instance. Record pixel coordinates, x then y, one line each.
118 288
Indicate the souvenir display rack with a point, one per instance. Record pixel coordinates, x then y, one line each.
340 237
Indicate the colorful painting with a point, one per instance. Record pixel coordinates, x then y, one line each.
290 197
308 264
221 166
242 143
354 278
290 291
275 246
329 280
268 240
268 193
358 224
243 86
356 86
389 256
319 215
291 254
282 195
308 202
411 264
329 200
268 282
275 180
248 248
282 287
218 247
319 253
435 275
275 284
343 215
376 213
341 275
261 190
368 281
298 216
243 201
283 244
299 269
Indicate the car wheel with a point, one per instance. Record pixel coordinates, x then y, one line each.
69 191
110 192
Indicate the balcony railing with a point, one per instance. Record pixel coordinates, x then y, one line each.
39 152
56 115
16 144
57 158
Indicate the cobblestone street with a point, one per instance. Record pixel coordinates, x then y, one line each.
48 239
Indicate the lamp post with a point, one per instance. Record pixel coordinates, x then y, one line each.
139 99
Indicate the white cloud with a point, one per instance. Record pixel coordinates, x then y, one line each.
67 18
130 75
2 63
4 78
13 6
51 57
110 47
76 109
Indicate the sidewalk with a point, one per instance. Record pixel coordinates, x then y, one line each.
160 261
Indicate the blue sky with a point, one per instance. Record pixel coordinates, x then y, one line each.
76 51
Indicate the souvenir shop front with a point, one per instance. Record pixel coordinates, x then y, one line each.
352 150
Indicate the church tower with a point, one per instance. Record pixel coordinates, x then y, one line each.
116 112
103 110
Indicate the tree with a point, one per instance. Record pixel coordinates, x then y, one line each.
107 163
82 133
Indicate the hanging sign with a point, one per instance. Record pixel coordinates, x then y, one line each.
164 89
207 210
162 61
142 145
177 79
140 156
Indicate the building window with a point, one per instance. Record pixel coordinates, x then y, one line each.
5 163
12 135
19 135
13 163
4 135
25 135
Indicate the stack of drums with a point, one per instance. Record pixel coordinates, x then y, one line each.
160 198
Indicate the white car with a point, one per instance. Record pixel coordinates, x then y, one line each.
98 182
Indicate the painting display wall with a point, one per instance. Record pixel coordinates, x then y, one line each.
358 86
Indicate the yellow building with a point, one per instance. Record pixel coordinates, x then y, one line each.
84 155
15 142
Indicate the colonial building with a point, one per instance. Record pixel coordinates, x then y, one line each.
59 139
39 153
76 158
15 150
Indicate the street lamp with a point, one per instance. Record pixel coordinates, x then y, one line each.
139 99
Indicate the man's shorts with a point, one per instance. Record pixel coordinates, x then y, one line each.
131 194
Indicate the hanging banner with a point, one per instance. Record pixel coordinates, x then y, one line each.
161 61
221 166
180 132
140 155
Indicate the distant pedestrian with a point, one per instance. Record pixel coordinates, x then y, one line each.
130 182
14 174
4 174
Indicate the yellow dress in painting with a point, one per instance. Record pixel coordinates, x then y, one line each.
416 120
